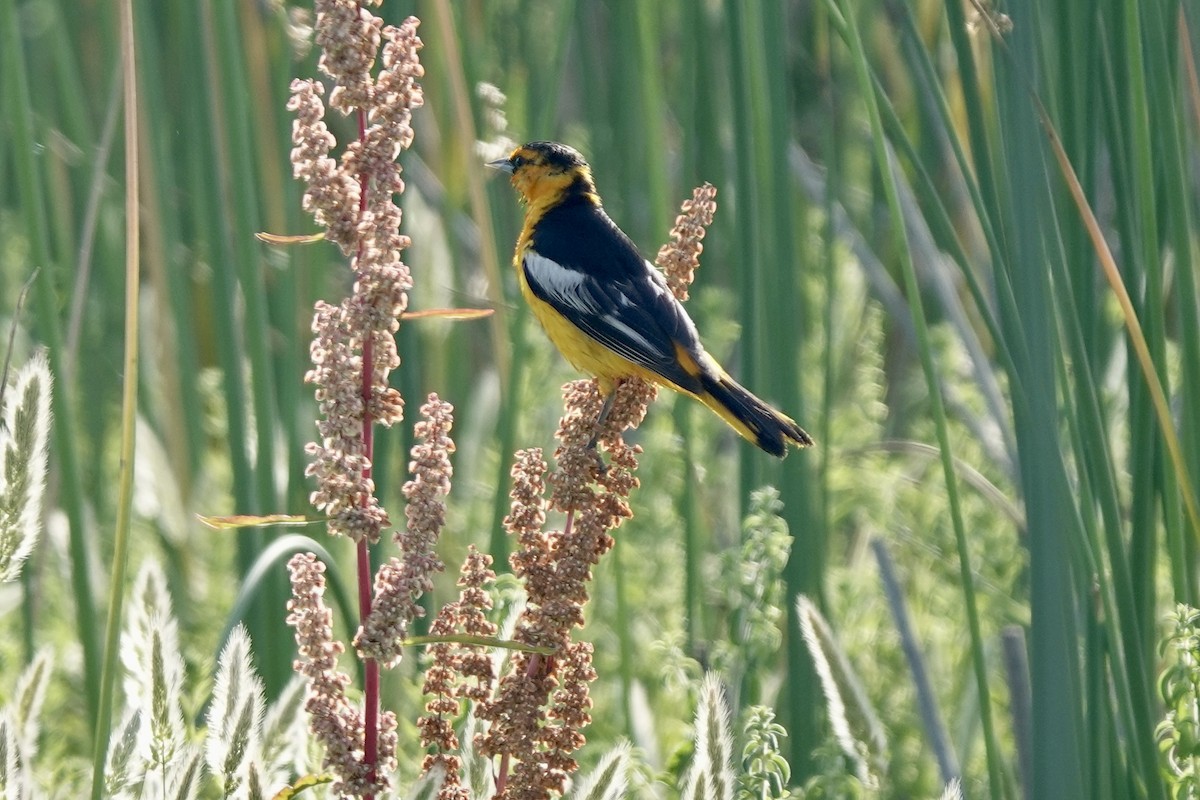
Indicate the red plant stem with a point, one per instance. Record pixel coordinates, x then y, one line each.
502 778
365 576
371 687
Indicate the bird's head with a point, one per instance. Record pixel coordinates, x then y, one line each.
543 172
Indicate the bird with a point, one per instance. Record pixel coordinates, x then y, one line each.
606 308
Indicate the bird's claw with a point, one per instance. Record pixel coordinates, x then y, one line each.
601 467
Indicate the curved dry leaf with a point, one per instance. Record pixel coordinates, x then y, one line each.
286 239
221 523
449 313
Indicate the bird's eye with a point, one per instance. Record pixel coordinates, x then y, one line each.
517 161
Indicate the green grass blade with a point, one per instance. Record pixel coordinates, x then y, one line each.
31 194
886 166
129 405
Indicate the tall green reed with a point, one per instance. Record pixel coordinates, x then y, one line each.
129 403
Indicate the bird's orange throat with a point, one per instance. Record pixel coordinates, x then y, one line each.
543 190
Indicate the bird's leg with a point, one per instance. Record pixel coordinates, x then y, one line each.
605 410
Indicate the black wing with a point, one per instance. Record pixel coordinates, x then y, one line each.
589 271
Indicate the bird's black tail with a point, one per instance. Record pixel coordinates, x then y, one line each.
749 416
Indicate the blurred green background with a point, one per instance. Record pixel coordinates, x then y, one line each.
941 325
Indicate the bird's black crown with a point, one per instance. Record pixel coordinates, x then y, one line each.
557 155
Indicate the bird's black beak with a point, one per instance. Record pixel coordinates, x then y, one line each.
502 164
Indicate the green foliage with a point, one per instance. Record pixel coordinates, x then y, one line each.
834 776
765 772
749 591
1178 734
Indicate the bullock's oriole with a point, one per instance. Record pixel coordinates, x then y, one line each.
606 308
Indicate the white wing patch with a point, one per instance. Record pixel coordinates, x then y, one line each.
566 285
